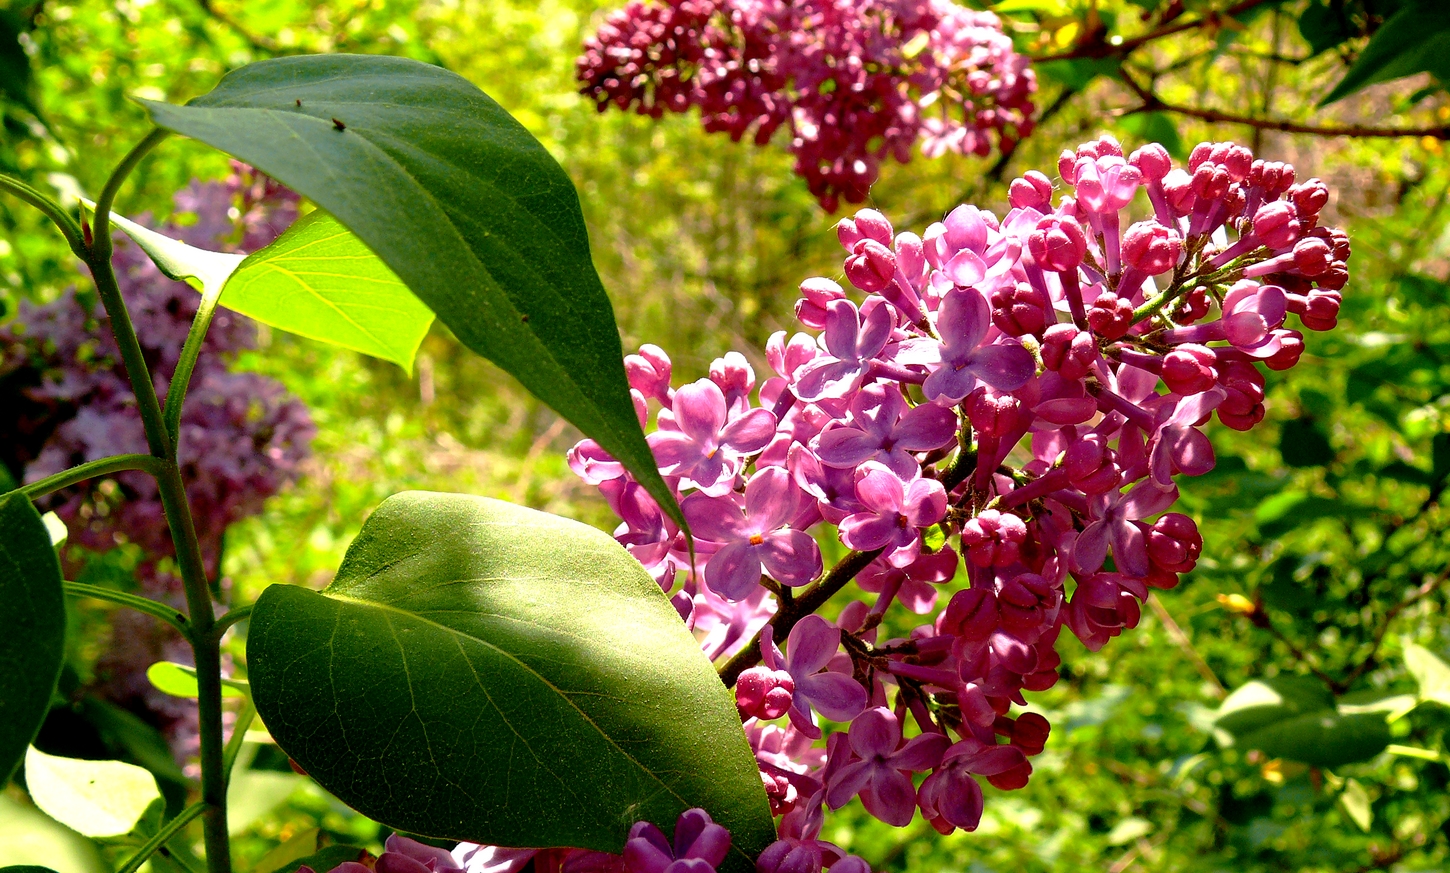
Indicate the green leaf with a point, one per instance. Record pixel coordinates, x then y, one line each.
92 798
55 527
1155 127
125 734
32 646
179 680
1294 717
176 259
26 868
1302 444
1440 457
1323 27
320 281
1414 40
1078 73
1356 803
253 794
485 672
459 200
1429 672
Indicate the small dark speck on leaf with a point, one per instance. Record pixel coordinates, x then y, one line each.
338 124
524 317
299 102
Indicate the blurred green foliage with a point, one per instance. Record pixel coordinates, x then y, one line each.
1326 536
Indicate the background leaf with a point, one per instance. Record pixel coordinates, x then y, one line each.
1429 672
1294 717
32 646
179 680
92 798
320 281
484 672
459 200
1414 40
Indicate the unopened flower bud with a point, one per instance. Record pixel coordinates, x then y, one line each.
1174 542
1058 244
1011 780
1020 309
993 538
816 295
1068 351
1291 347
1024 601
1190 368
1151 247
971 614
1312 256
1309 198
1029 733
991 413
1244 406
871 266
1277 225
1066 164
1092 465
1322 310
1032 191
1210 181
763 693
1178 190
1152 161
649 372
1110 316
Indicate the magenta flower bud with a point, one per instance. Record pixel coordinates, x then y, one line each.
1032 191
1110 316
1291 347
781 795
1068 351
1058 244
1237 161
1309 198
994 538
764 693
871 266
1174 542
1312 256
1322 311
649 372
1030 732
1190 369
872 225
851 864
1024 601
1193 306
1273 177
1244 406
911 256
1020 309
991 413
1178 190
1210 181
1199 156
1092 465
816 296
1152 161
971 614
1067 166
734 375
1276 224
1151 247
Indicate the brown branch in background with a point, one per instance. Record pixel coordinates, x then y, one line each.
264 44
1186 645
1153 103
1098 47
1425 590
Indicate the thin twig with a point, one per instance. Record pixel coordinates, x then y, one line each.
1100 48
1186 645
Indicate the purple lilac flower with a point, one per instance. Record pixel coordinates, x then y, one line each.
894 511
883 429
811 645
708 449
962 361
880 771
759 537
699 846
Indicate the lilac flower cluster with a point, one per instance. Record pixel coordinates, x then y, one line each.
1009 404
853 81
68 401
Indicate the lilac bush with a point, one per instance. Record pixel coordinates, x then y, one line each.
1021 392
853 83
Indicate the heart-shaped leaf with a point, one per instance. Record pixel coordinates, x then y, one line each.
484 672
460 201
32 647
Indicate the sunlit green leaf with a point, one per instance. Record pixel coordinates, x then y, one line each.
1429 672
1356 803
1414 40
179 680
459 200
486 672
93 798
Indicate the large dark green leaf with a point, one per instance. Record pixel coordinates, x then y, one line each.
1414 40
32 607
480 671
459 200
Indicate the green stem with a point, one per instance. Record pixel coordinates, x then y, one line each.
239 734
205 645
133 601
162 837
241 613
91 470
176 392
69 228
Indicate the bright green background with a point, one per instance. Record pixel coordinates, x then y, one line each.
701 243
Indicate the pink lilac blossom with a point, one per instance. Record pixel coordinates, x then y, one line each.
1030 389
852 82
242 436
